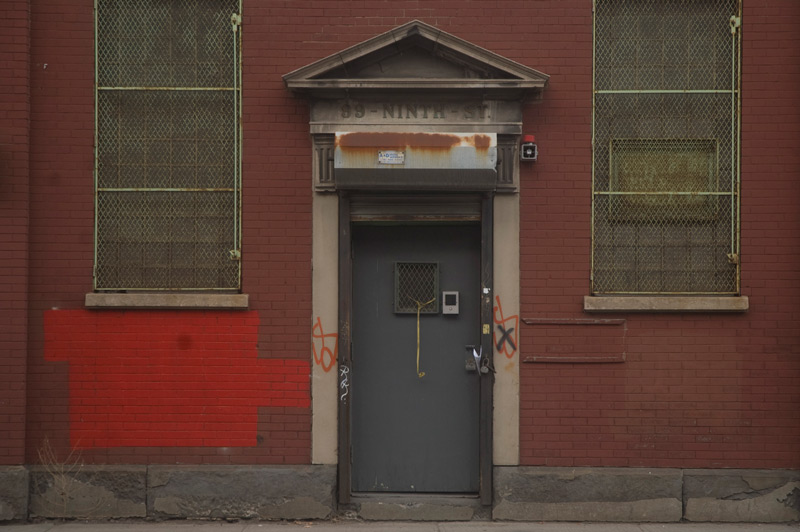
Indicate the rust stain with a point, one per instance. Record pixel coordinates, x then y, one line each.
482 142
388 140
397 140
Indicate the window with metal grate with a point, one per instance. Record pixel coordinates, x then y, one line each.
666 147
167 174
416 287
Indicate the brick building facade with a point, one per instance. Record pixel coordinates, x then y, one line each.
668 385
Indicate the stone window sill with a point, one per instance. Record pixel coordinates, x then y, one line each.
98 300
665 304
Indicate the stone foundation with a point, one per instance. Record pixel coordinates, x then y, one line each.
167 492
645 495
741 495
87 492
586 494
308 492
241 492
13 493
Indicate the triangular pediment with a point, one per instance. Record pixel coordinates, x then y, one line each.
415 56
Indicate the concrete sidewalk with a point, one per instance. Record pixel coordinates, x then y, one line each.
383 526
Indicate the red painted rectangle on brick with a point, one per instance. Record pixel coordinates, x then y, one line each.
168 378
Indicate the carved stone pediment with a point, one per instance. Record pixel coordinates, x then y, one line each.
416 57
416 79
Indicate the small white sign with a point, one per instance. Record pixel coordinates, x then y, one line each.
391 157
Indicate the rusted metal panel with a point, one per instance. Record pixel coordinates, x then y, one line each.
419 150
415 160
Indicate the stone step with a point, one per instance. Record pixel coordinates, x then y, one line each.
416 507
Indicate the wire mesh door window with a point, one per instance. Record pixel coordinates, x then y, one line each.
167 160
665 127
416 287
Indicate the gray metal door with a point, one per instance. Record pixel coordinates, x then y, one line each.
415 401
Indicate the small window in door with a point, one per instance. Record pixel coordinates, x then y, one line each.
416 287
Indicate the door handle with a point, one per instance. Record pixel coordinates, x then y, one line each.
476 362
470 362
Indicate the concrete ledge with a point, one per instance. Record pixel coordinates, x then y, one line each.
13 493
665 304
241 492
99 300
741 495
87 492
587 494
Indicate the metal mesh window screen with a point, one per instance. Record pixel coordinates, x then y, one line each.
416 286
168 145
666 151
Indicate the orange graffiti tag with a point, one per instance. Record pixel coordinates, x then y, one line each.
324 357
506 330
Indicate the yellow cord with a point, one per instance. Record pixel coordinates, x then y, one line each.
420 374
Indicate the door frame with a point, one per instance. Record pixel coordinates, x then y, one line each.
485 436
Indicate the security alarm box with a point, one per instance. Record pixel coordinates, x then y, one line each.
528 152
449 302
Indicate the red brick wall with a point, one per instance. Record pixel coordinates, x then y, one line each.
695 390
62 204
14 145
276 237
